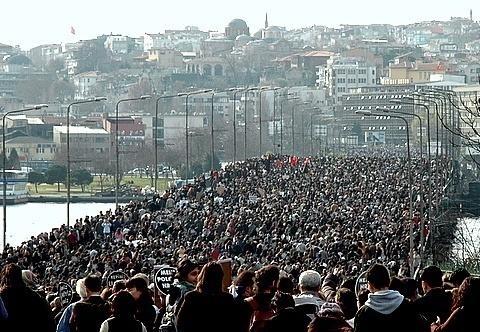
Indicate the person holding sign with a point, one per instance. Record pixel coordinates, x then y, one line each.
208 307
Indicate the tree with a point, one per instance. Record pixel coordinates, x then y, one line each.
103 167
61 90
34 90
13 161
56 174
36 178
82 177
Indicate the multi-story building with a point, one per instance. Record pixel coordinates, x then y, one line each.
84 141
167 59
131 130
343 74
417 72
155 40
32 149
380 129
42 55
471 71
84 84
118 44
171 127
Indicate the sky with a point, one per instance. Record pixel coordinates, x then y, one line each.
29 23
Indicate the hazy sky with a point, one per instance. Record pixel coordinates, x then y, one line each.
30 23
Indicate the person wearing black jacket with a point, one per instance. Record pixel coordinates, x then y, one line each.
208 308
436 302
385 310
123 318
145 312
27 311
88 314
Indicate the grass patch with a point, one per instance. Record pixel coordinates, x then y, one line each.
51 189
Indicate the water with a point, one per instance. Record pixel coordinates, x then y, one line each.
31 219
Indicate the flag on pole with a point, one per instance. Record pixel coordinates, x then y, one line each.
72 30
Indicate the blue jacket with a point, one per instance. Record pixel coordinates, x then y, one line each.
64 322
3 310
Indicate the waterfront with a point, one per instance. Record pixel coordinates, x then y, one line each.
31 219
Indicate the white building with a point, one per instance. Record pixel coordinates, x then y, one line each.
84 84
171 127
156 41
83 140
471 72
118 44
343 74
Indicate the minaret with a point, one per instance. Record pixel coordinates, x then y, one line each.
266 20
471 15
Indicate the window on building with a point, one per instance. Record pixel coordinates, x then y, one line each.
351 72
341 71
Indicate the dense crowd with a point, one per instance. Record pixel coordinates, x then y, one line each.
297 230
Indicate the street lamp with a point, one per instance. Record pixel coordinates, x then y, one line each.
281 120
117 159
262 89
410 181
422 220
187 95
293 125
429 164
245 120
4 175
235 91
312 115
157 101
86 101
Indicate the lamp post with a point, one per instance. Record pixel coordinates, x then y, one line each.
303 126
245 120
4 174
293 125
312 115
437 176
187 95
275 118
281 120
422 220
261 89
410 181
235 91
117 153
95 99
155 136
429 164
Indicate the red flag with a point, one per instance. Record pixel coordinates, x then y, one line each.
72 30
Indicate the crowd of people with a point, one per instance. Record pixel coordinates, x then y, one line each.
298 231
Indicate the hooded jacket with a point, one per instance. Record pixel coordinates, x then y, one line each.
308 303
386 311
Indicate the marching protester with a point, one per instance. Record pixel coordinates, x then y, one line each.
318 222
24 309
123 315
89 314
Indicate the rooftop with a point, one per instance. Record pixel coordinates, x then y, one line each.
28 139
79 130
